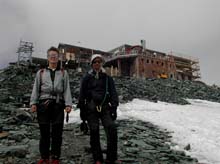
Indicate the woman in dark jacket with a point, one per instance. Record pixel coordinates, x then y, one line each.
98 101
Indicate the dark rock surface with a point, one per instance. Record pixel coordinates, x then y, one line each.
167 90
16 85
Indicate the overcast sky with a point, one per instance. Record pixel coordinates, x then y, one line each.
190 27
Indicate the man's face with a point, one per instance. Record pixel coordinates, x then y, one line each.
53 57
97 63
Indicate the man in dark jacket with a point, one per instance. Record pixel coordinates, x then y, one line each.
98 101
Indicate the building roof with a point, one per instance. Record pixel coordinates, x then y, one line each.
121 57
63 45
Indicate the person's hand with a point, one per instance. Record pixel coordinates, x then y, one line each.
84 127
113 112
68 109
33 108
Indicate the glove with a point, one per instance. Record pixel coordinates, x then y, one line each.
84 127
113 112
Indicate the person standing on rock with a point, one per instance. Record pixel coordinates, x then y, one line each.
98 100
50 96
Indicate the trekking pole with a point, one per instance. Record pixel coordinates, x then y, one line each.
67 117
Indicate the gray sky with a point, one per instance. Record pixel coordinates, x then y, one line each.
190 27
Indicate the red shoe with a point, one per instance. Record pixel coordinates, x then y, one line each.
55 161
98 162
44 161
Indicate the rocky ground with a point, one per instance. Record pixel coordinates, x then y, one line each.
167 90
16 84
139 142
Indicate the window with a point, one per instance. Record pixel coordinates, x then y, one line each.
152 61
147 61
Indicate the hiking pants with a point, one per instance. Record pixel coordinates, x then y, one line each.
50 118
93 117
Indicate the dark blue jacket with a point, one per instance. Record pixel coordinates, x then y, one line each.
94 88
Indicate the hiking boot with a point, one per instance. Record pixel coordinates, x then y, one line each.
55 161
44 161
113 162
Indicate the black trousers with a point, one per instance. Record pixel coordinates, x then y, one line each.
93 117
50 118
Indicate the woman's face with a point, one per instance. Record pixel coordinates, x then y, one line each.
97 63
53 57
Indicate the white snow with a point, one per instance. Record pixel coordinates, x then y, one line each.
197 124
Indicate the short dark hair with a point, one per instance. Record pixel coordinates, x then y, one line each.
53 49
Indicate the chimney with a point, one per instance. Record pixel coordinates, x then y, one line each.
143 44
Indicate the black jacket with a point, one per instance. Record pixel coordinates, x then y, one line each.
93 88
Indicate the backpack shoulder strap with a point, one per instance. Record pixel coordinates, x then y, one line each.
62 71
106 90
41 74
